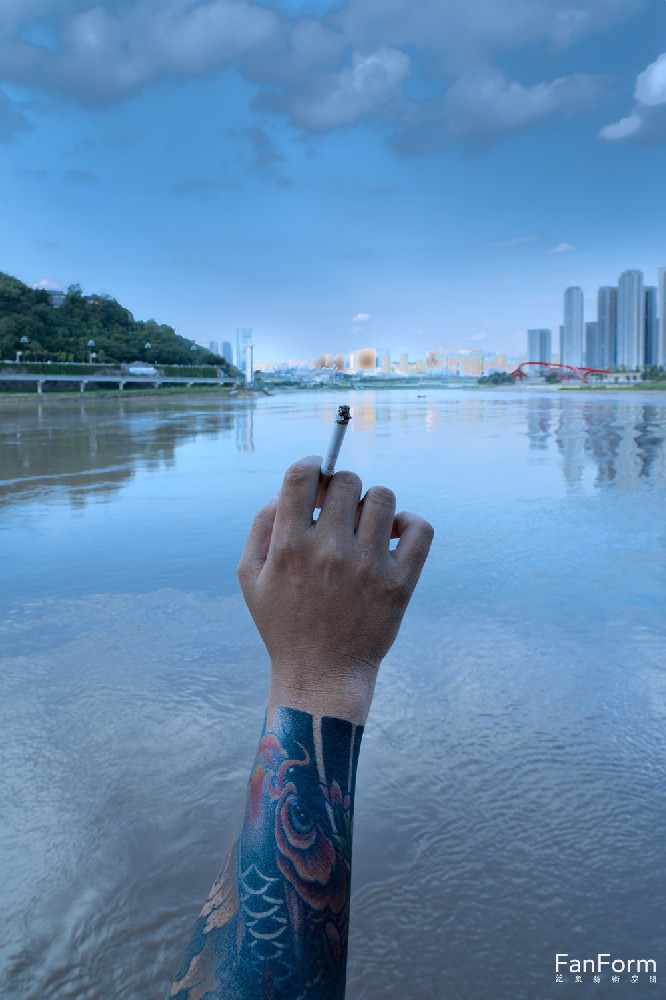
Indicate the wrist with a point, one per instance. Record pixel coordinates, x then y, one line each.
348 700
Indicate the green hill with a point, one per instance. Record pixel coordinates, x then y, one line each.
63 333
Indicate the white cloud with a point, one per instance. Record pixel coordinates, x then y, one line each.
361 318
458 32
481 106
623 128
322 74
483 100
651 83
105 55
647 118
561 248
334 100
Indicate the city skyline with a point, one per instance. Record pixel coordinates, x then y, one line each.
332 176
628 333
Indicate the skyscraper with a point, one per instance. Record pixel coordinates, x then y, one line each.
631 321
214 346
571 344
607 329
243 338
651 326
539 345
226 352
592 346
661 337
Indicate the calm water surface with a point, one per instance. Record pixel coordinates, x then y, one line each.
511 787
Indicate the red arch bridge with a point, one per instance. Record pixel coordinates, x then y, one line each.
564 371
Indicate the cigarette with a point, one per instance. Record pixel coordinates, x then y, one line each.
339 429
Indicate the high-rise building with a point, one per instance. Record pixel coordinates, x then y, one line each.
539 345
630 321
571 344
404 363
249 370
226 352
651 326
243 338
383 358
607 330
214 346
592 346
365 359
661 337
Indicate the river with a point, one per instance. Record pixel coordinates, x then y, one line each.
510 799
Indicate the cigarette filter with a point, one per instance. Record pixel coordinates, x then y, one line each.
339 429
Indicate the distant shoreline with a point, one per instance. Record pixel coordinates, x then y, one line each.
233 393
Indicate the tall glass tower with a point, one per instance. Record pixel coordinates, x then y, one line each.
539 345
651 326
592 345
243 338
571 345
631 321
661 338
607 329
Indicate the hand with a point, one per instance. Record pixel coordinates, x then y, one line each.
328 597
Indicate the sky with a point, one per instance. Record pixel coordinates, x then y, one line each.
405 175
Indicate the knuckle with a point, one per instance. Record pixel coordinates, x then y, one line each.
297 473
330 557
400 588
369 570
261 515
288 555
348 479
286 547
427 530
381 495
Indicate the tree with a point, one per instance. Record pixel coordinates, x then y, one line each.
63 333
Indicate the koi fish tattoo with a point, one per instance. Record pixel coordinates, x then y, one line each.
274 926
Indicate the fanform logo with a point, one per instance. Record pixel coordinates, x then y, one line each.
602 963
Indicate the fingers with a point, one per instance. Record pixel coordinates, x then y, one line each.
258 541
298 495
411 552
375 519
340 504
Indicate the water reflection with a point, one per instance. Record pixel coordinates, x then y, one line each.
94 447
624 442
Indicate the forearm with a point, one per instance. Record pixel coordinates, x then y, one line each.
276 921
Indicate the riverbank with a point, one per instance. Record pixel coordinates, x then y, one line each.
94 395
620 387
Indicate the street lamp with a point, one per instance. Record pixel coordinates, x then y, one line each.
19 354
91 352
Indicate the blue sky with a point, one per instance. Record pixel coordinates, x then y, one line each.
441 169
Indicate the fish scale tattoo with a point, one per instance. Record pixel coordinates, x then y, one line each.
275 924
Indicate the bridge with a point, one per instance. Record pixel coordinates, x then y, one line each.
578 371
120 380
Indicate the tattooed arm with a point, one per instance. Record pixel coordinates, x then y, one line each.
328 598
